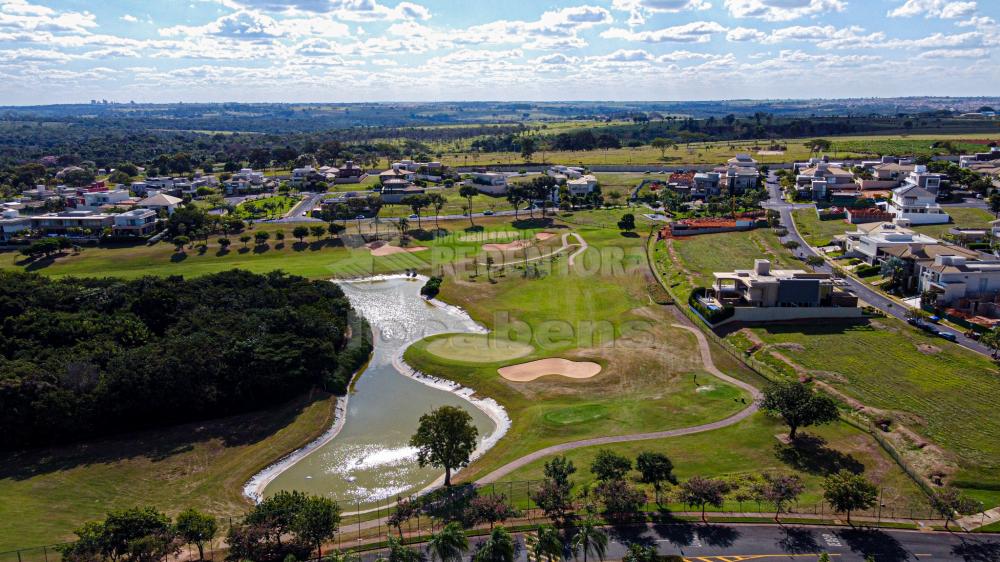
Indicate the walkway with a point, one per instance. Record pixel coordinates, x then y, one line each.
706 357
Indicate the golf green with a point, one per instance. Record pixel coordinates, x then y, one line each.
477 348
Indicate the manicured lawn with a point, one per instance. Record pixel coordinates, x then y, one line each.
46 494
750 447
818 233
266 207
962 217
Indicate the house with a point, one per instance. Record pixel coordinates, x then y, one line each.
13 224
430 171
94 199
887 173
923 179
821 179
348 173
763 294
397 174
137 222
870 241
968 160
918 258
742 160
491 183
582 185
738 179
395 190
916 205
707 184
69 222
565 172
159 202
248 175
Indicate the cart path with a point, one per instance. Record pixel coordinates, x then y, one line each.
706 357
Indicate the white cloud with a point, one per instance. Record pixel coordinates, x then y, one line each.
129 18
955 54
694 32
639 10
782 10
346 10
947 9
740 34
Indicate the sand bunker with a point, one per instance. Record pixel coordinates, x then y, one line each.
517 244
381 249
477 348
526 372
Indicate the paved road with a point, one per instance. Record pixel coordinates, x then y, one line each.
865 293
732 543
706 357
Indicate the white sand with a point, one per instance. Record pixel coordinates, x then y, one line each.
526 372
379 250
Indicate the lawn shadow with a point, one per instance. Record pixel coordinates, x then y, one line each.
874 543
39 263
809 453
279 246
155 444
546 222
475 228
178 257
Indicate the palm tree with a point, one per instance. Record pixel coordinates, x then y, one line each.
448 545
402 225
545 545
498 548
589 538
437 201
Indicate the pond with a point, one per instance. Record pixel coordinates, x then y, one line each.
366 458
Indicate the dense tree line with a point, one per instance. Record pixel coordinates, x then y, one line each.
86 357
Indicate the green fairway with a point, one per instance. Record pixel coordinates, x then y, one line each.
749 448
474 348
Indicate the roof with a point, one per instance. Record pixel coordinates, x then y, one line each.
160 200
826 170
913 191
921 252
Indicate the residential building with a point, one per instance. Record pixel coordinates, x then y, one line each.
397 174
349 172
249 176
395 190
870 241
923 179
818 181
13 224
69 221
707 184
742 160
94 199
966 161
566 172
763 294
137 222
916 205
582 185
920 259
887 173
738 179
491 183
161 201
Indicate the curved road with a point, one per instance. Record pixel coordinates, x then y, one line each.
706 357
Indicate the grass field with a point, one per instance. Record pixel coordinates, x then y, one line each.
750 447
961 217
475 348
818 233
939 390
266 207
46 494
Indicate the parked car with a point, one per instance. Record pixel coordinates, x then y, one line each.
928 328
488 213
414 216
948 336
935 319
913 322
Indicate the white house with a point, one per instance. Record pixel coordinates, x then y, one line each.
491 183
920 177
567 172
582 185
161 201
137 222
12 224
869 240
957 277
916 205
99 198
250 176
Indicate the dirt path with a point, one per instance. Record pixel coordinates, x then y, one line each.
706 357
583 247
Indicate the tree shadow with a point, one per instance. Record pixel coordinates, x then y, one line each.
279 246
977 550
718 535
475 228
422 235
261 248
243 250
222 252
202 250
36 264
178 257
156 444
631 534
680 533
300 246
809 453
630 235
798 541
874 543
532 223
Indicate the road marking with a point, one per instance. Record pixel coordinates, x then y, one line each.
745 557
832 540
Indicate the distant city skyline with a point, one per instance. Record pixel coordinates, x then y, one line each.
72 51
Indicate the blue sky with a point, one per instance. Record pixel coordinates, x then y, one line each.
63 51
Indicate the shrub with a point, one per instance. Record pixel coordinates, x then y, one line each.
712 316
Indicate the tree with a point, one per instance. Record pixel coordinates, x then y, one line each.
609 465
499 547
847 492
279 235
995 204
449 544
589 538
655 469
700 491
300 232
416 203
224 243
437 201
791 245
445 438
277 512
781 490
406 509
468 192
895 269
196 528
402 225
180 242
660 144
245 239
991 340
627 223
621 500
554 496
400 553
948 502
490 509
527 148
798 405
815 261
515 196
640 553
335 229
317 231
261 237
138 534
317 520
545 544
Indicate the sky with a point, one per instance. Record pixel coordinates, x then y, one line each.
72 51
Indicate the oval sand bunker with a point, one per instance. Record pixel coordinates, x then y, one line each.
526 372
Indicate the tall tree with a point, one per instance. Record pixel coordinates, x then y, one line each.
700 491
847 492
655 469
317 520
781 490
589 538
499 547
798 405
545 544
469 191
449 544
948 502
609 465
196 528
445 438
437 201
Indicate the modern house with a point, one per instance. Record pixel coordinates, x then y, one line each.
870 241
968 160
491 183
137 222
763 294
397 174
160 201
917 204
395 190
13 224
582 185
821 179
952 271
70 221
95 199
706 184
921 178
565 172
